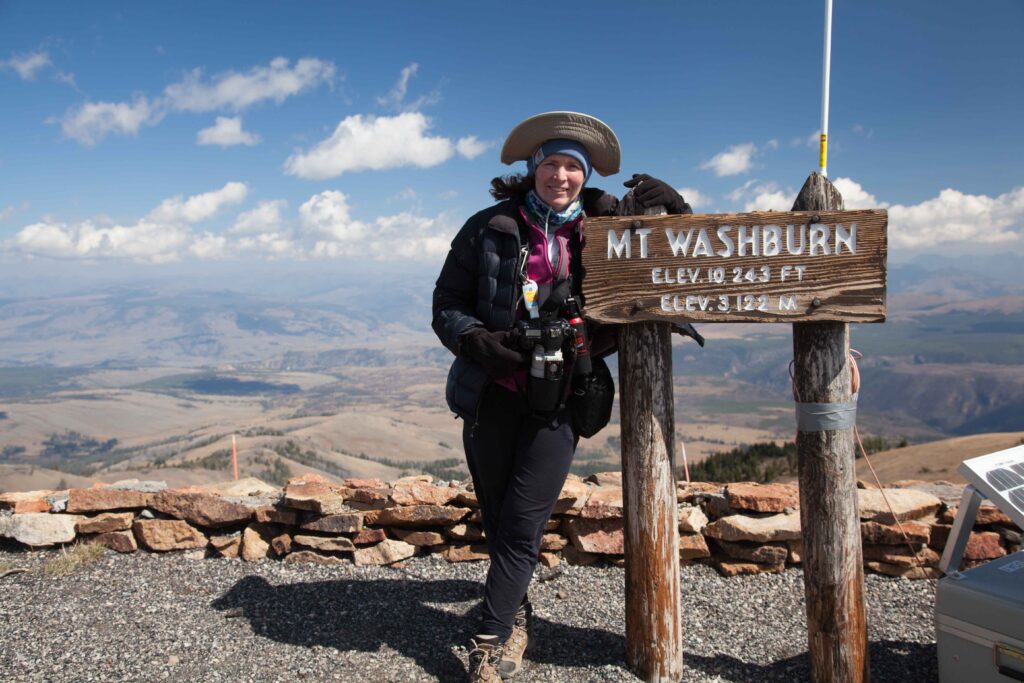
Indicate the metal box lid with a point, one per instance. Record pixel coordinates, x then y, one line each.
991 595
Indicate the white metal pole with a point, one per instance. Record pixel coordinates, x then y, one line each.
823 149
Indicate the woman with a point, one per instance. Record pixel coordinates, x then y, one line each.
503 265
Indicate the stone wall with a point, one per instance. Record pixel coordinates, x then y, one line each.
738 528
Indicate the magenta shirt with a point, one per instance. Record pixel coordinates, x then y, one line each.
540 269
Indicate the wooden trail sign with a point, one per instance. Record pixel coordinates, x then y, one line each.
743 267
841 279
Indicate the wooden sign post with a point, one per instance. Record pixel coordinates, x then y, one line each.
818 267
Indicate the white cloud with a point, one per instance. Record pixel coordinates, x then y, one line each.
265 218
198 207
91 122
733 161
855 196
374 143
772 144
28 66
812 140
957 217
395 99
694 197
770 200
7 212
470 147
209 246
226 132
405 236
397 94
233 90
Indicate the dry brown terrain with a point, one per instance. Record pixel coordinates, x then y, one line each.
937 460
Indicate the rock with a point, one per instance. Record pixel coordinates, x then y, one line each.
417 516
140 486
693 547
107 498
369 537
29 501
761 553
246 487
161 535
344 523
889 534
572 498
58 501
938 535
467 499
692 519
467 532
281 544
268 514
729 568
337 544
906 504
900 555
413 478
6 520
41 529
796 551
599 536
717 505
357 483
311 557
550 560
990 514
694 492
386 552
315 493
419 538
1009 536
465 553
553 542
119 541
606 479
105 522
762 497
476 517
605 502
948 492
904 571
256 541
370 499
553 524
227 546
573 555
200 509
984 545
421 493
780 527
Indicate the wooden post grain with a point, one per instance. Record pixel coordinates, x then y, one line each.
654 636
832 557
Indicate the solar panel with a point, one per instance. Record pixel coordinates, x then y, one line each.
1000 478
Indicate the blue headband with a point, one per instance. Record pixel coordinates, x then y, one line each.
569 148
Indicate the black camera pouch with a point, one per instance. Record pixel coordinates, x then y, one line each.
591 400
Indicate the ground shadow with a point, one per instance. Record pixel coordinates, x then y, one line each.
364 615
891 660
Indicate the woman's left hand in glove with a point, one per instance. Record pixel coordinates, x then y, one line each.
650 192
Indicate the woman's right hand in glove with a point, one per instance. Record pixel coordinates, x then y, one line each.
496 352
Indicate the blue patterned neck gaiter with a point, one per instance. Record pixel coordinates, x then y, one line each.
545 215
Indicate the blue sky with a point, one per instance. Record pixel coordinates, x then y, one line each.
193 132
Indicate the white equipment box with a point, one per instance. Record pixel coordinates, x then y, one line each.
979 613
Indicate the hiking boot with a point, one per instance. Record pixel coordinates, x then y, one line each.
515 646
483 662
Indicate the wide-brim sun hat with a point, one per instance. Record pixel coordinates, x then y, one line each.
594 134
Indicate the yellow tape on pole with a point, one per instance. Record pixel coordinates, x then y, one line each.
824 150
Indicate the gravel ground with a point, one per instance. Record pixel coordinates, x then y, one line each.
174 617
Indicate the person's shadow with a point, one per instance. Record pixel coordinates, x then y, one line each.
363 615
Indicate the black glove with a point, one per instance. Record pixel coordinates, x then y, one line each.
650 192
496 352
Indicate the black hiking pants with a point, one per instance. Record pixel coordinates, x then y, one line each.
518 463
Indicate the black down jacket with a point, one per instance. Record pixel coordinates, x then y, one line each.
479 286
